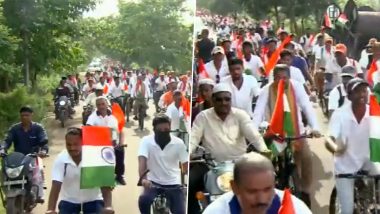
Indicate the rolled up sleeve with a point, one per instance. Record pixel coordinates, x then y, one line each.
197 131
306 106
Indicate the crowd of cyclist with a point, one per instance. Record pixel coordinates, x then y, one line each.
237 90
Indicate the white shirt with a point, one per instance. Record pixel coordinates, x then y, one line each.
187 90
147 90
221 205
242 98
163 164
254 64
175 114
70 189
333 67
161 84
303 103
116 91
226 140
108 121
87 89
334 97
212 72
346 130
295 74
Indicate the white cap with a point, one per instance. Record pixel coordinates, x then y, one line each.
218 49
206 81
221 87
99 87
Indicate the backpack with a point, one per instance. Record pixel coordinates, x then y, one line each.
341 97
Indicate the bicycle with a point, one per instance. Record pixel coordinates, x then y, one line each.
366 193
285 168
161 204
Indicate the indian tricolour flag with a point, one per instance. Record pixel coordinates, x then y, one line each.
282 123
98 158
374 133
342 19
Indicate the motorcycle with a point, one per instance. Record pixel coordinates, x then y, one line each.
216 180
63 111
87 111
19 181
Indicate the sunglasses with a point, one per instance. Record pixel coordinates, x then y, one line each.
221 99
217 78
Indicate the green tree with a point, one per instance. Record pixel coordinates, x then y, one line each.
43 26
151 33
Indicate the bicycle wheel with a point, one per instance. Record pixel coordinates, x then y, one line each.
334 206
293 182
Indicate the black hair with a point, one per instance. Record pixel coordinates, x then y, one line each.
281 67
74 131
285 53
247 43
235 61
26 109
160 118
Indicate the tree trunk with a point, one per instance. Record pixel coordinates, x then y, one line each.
5 86
277 15
26 59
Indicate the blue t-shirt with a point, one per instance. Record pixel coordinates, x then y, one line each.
26 141
301 64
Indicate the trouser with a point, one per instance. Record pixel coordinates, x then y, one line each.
303 160
156 98
39 177
345 189
196 183
175 198
139 104
91 207
319 81
119 166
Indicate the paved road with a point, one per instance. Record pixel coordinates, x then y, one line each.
124 197
322 170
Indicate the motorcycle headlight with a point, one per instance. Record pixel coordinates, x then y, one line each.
223 181
62 103
14 172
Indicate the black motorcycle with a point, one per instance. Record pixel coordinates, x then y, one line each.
19 182
62 109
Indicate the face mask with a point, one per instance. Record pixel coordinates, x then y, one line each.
162 138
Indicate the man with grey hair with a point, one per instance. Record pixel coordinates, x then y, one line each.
103 117
223 131
338 95
253 190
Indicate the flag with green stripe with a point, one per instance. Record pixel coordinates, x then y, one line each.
374 131
284 120
98 158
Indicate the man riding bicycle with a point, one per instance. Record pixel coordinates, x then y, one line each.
349 132
295 94
140 93
66 182
160 153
